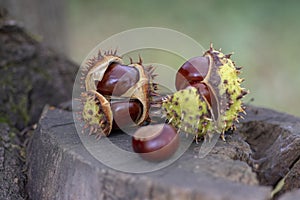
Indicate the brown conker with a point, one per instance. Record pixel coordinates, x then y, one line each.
203 89
192 73
126 113
155 142
117 79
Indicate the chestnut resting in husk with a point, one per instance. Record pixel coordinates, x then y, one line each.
209 96
192 73
104 116
118 79
122 93
155 142
125 113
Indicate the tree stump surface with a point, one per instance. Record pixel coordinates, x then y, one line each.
293 195
263 150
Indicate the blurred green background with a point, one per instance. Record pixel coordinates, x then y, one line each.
264 35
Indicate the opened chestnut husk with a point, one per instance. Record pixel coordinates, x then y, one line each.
125 91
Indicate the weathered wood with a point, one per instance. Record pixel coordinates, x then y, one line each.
291 195
60 166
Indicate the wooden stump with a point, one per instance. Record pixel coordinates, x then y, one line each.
248 165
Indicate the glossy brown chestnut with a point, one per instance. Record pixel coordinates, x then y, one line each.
203 89
191 72
155 142
126 113
117 80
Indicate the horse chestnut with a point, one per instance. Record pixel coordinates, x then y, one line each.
117 79
123 90
126 113
192 73
155 142
210 95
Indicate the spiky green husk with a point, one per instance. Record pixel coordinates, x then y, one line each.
187 110
96 113
229 93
